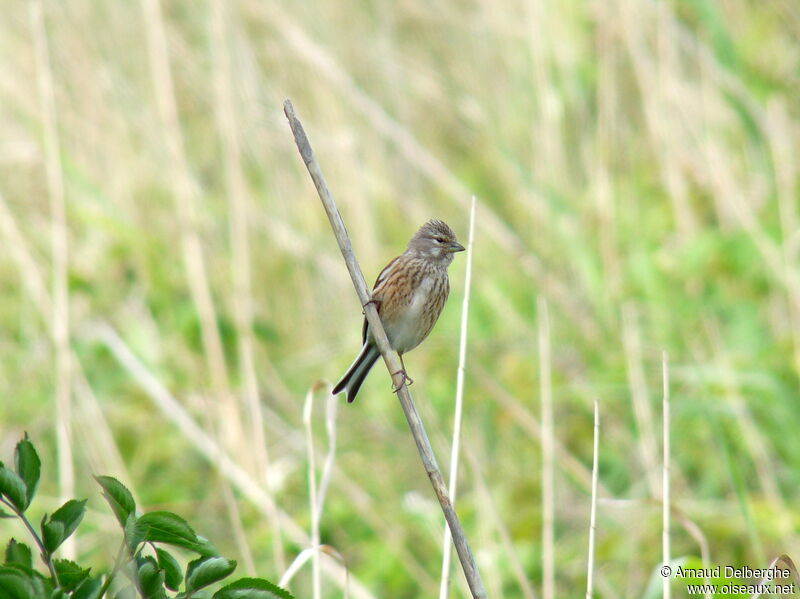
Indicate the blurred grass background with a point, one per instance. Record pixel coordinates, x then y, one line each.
635 164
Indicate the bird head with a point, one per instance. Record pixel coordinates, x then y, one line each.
435 241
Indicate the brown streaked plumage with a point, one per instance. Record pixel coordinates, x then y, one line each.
409 295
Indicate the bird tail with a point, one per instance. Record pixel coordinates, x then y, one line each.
358 371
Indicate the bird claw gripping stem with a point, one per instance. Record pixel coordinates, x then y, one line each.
407 381
375 302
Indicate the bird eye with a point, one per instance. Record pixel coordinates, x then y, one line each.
439 239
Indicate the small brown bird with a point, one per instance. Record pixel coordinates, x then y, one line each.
409 296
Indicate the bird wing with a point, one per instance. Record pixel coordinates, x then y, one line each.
378 282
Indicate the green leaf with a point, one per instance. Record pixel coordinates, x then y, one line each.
12 487
62 523
118 497
28 466
59 594
207 570
252 588
89 589
166 527
150 578
70 514
52 534
15 585
206 548
173 576
41 587
19 553
129 532
70 574
5 514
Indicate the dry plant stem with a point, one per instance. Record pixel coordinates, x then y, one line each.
60 257
665 549
317 491
787 561
548 455
389 357
462 359
304 556
295 566
312 492
593 512
705 555
330 458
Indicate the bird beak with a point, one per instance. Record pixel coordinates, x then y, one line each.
456 247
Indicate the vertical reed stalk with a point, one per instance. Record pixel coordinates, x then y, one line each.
665 549
548 454
312 493
462 359
593 512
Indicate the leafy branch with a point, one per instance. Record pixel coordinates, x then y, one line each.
152 572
